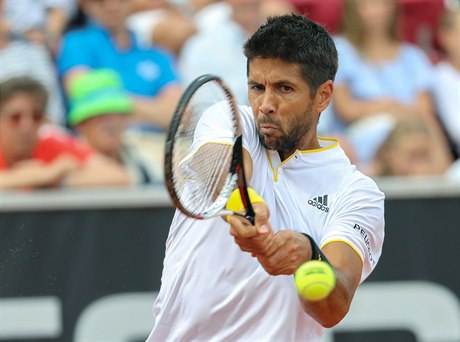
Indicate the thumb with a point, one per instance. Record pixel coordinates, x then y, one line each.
262 214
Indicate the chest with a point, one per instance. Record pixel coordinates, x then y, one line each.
300 197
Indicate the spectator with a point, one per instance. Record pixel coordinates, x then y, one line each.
100 112
31 159
148 74
162 24
217 49
407 150
19 58
447 78
379 73
39 21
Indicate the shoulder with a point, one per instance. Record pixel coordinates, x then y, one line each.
82 35
344 47
359 188
156 54
414 53
247 117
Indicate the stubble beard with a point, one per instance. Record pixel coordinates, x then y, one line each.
289 141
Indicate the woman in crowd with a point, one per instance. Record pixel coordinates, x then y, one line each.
380 74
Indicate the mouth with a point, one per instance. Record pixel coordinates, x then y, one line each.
268 129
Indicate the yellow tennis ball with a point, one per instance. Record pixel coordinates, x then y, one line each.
235 203
314 280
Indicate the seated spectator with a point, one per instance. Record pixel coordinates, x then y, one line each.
100 112
407 150
447 78
30 158
162 24
217 46
378 73
39 21
149 75
19 58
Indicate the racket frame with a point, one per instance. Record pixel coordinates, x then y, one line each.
235 175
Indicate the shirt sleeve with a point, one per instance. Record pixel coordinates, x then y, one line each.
358 220
54 145
75 51
169 71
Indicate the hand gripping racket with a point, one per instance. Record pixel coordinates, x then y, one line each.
204 151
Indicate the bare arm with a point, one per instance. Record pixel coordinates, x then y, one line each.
157 110
99 171
35 174
56 21
350 109
284 252
347 266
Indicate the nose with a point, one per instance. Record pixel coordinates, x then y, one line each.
267 103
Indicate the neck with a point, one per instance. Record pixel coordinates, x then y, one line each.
121 37
312 145
377 40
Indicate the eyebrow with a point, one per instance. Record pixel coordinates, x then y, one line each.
279 82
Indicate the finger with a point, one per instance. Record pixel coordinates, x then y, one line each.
262 215
240 227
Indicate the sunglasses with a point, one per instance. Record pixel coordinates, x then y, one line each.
16 118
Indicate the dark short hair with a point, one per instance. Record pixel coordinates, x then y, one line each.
23 84
296 39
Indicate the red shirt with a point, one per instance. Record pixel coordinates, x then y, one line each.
53 145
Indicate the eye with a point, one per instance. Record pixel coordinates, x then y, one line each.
256 87
285 88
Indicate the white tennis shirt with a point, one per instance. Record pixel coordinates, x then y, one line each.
212 291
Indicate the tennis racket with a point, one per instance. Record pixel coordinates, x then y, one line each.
204 151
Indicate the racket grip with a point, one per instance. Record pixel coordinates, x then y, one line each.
235 203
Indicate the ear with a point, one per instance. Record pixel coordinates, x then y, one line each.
324 95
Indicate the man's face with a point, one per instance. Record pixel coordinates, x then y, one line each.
282 105
110 13
20 119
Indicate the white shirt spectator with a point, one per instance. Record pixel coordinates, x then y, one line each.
220 52
24 15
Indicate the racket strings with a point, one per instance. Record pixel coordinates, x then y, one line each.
203 147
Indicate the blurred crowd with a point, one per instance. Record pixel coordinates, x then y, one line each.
88 87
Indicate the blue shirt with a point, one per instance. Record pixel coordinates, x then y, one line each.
144 71
401 79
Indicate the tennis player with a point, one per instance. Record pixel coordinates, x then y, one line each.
239 286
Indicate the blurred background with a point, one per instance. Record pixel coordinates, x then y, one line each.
87 90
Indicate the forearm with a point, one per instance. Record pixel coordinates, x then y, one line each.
350 109
331 310
159 110
55 24
56 21
23 179
99 172
347 267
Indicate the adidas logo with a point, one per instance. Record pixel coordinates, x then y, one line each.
320 202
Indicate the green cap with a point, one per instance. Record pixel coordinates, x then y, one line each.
95 93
